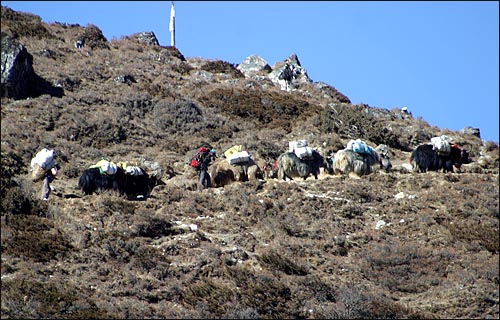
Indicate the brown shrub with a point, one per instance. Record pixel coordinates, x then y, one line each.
352 121
23 24
177 116
12 165
278 262
222 67
481 233
36 238
400 267
30 299
93 38
209 296
268 296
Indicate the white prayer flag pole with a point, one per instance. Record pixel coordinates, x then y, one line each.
171 27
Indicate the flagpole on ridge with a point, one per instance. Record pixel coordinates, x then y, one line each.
171 27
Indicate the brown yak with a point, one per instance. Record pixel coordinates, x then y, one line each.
222 173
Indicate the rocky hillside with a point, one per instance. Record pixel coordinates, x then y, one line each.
396 244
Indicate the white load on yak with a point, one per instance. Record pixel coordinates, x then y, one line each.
441 144
130 168
105 167
236 155
301 149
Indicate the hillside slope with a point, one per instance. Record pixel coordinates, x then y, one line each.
392 244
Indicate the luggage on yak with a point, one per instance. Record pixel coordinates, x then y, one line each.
41 163
441 145
304 153
239 158
301 149
233 150
359 146
236 155
130 168
292 145
105 167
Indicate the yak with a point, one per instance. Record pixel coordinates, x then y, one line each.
347 161
289 165
425 158
222 173
132 186
93 181
140 186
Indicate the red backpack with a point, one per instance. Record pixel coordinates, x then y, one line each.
197 158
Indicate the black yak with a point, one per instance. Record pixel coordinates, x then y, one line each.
92 180
138 186
425 158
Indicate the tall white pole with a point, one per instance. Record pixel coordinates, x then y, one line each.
172 25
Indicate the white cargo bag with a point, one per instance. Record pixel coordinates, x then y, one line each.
109 167
441 144
292 145
234 149
304 152
44 158
134 171
238 158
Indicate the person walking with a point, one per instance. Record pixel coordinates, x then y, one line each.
288 75
44 167
46 187
200 161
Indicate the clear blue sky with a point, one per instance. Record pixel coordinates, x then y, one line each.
439 59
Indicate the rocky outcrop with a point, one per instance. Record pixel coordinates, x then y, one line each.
253 65
472 131
93 38
149 38
17 69
330 92
299 74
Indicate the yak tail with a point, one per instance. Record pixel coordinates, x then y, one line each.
85 182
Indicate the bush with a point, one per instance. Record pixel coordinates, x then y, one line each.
183 115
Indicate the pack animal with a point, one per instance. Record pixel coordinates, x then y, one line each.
347 161
93 181
425 158
290 166
222 173
140 186
132 186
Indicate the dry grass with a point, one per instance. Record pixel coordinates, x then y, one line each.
253 250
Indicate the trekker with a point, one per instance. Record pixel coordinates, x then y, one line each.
288 75
207 157
200 161
44 167
46 187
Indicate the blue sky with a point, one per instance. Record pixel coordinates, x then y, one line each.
439 59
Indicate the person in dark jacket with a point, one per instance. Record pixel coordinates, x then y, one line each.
288 75
206 158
